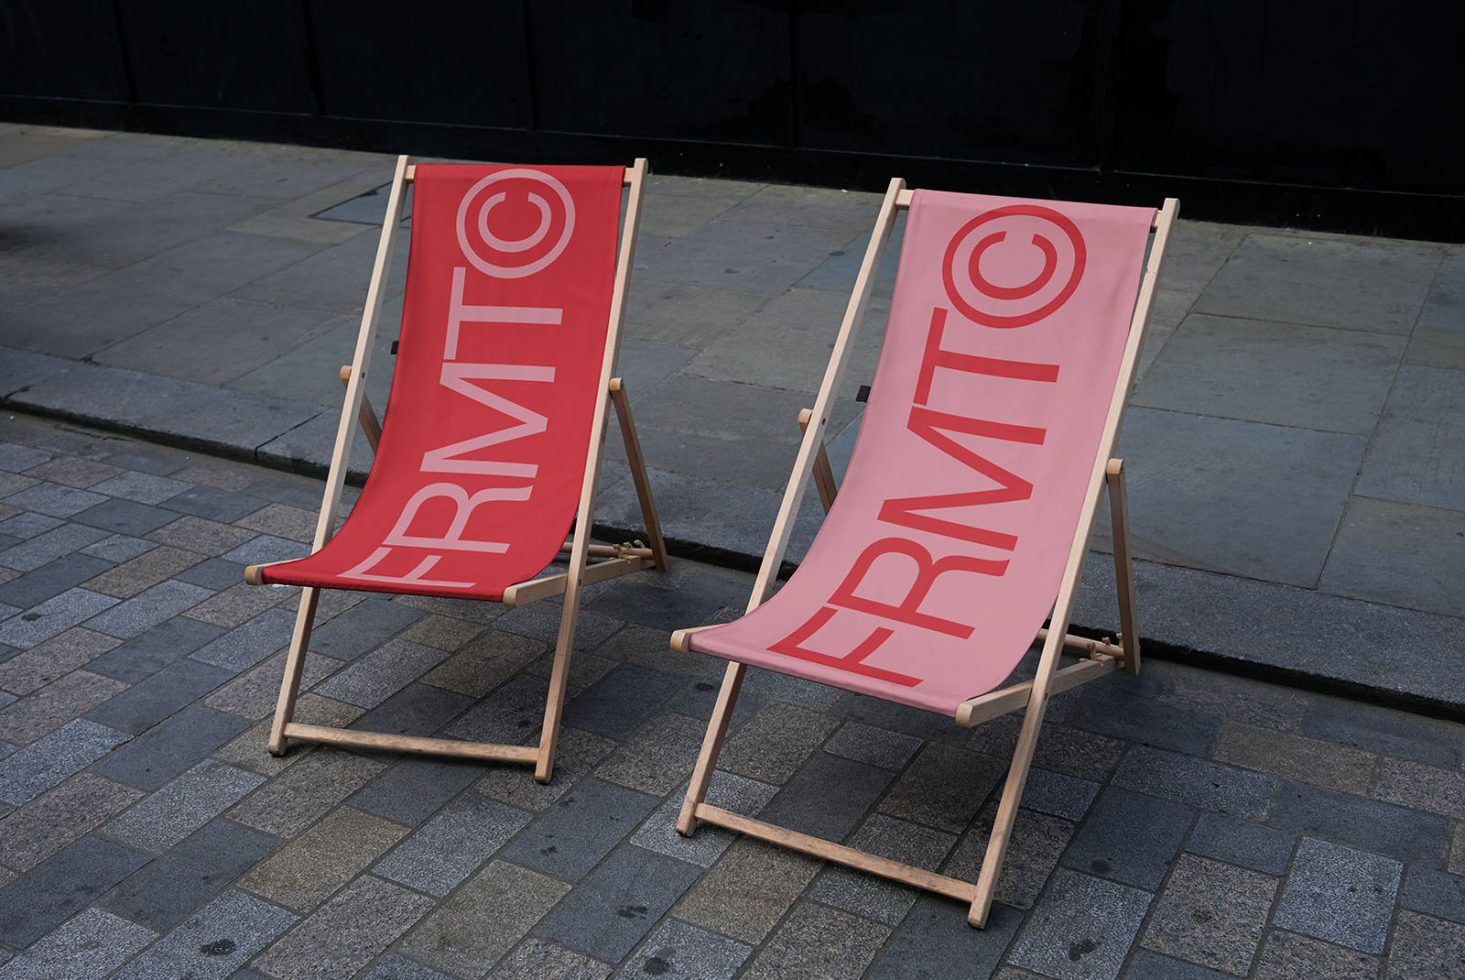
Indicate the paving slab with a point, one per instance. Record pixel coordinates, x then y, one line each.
610 911
89 946
1273 495
433 859
1211 914
1084 929
182 412
1280 373
61 886
183 880
1356 285
1340 894
1342 819
1400 555
214 943
1130 839
484 919
818 942
1417 456
347 932
1439 335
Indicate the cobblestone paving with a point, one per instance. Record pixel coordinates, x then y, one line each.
1184 825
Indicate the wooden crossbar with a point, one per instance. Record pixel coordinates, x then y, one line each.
1009 699
488 751
525 593
411 175
907 874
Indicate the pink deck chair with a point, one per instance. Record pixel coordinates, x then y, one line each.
964 515
495 422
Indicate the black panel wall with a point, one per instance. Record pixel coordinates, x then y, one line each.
465 64
1365 95
1009 82
1323 115
251 55
61 48
714 73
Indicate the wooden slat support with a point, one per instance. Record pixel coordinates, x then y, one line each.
412 743
1123 566
612 550
681 640
906 874
1086 646
524 593
370 424
412 175
1009 699
637 463
823 471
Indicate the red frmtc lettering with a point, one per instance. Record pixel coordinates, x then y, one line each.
854 661
908 610
935 357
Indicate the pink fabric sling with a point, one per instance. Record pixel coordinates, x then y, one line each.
943 552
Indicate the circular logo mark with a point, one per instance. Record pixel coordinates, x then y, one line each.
522 254
1036 270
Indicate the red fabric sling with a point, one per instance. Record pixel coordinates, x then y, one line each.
484 450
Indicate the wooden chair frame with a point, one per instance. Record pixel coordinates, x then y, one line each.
1097 657
617 559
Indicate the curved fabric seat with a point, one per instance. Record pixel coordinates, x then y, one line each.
964 515
943 553
483 449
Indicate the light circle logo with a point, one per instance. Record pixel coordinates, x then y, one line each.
517 257
1029 233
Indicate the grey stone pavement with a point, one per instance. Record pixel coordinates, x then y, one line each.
1295 449
1186 824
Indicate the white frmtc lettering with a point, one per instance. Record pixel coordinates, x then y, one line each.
414 577
460 313
464 506
460 378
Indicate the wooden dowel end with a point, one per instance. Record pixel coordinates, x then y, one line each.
254 575
681 640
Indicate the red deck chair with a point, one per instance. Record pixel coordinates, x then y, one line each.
965 512
494 426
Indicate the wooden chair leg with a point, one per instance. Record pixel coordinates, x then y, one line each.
1123 566
1017 776
294 665
823 471
732 683
558 681
622 403
371 426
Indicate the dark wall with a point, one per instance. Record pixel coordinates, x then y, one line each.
1322 115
